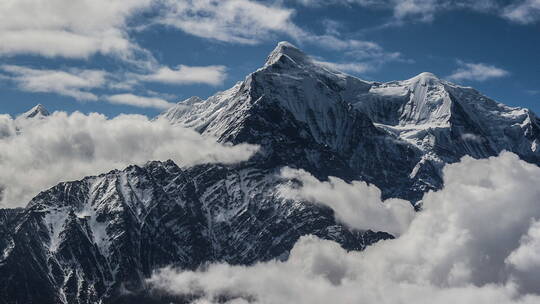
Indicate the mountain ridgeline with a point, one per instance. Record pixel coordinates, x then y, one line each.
96 240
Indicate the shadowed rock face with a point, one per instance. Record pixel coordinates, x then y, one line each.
99 238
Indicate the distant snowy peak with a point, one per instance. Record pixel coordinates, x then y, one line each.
422 99
37 111
426 101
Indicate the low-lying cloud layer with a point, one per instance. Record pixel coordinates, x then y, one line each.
476 241
358 205
38 153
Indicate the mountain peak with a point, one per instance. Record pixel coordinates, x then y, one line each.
37 111
425 78
285 48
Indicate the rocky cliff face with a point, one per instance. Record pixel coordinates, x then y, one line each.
96 240
99 238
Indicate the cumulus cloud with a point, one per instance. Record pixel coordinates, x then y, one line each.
477 72
527 256
72 82
140 101
357 205
38 153
183 74
475 241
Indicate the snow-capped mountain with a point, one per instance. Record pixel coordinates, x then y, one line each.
396 135
97 239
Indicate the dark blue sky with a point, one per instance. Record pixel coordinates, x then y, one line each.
494 48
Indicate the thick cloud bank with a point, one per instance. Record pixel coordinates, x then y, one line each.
38 153
357 205
476 241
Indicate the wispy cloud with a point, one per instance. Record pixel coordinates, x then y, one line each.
81 84
72 82
139 101
238 21
523 11
183 74
252 22
527 11
78 29
349 67
477 72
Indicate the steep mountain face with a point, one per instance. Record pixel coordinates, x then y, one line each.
299 113
396 135
98 238
447 121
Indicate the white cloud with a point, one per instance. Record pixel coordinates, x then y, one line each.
139 101
425 10
251 22
66 28
474 242
239 21
417 10
350 67
64 147
522 11
477 72
527 256
79 29
357 205
365 55
527 11
213 75
72 82
78 83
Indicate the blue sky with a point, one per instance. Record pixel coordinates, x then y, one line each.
138 56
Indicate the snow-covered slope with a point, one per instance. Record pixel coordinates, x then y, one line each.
299 112
447 121
397 135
